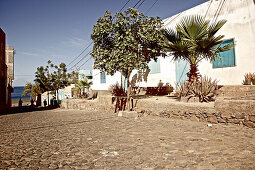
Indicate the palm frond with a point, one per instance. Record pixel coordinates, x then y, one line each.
214 27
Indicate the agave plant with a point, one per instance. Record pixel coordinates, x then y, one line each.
194 39
204 89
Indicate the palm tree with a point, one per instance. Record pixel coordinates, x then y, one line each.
194 39
82 84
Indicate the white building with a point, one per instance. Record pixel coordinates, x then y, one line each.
240 29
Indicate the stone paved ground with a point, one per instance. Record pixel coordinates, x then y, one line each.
85 140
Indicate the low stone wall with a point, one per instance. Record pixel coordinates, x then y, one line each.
237 111
234 91
240 112
222 111
84 104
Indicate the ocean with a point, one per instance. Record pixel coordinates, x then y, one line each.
18 91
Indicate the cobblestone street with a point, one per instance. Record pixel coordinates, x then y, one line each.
68 139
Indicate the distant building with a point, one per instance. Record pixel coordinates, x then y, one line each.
85 74
6 72
9 60
3 72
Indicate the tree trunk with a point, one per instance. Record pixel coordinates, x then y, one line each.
57 96
193 73
128 91
121 80
48 98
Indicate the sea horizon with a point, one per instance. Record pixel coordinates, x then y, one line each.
17 94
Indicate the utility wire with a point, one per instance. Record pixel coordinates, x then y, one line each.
85 62
124 6
208 8
219 10
80 54
151 7
137 3
140 4
79 60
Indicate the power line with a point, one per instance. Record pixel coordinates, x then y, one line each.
80 54
137 3
208 8
220 10
79 61
151 7
140 4
124 5
85 62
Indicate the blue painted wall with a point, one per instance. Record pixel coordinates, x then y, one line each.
181 70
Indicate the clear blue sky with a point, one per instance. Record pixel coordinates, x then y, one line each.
59 30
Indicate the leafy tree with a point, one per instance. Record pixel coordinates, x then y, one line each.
59 77
193 40
73 77
42 76
52 77
126 41
32 89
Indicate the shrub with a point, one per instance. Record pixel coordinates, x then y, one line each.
117 90
248 78
119 95
204 89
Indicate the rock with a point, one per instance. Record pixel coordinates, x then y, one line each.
194 118
252 118
120 113
140 110
225 115
249 124
220 120
202 119
239 115
235 121
212 119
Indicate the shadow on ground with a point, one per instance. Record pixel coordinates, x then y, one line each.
22 109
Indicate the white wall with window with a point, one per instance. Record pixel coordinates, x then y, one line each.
239 29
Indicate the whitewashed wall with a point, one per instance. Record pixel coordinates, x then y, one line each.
240 26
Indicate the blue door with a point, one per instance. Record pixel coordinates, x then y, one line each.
181 70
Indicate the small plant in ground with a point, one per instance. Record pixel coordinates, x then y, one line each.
253 78
248 78
119 95
204 89
117 90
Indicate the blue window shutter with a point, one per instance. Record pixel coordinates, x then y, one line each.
227 58
182 67
102 77
154 66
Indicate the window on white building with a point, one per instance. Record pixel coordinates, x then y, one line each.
102 77
227 58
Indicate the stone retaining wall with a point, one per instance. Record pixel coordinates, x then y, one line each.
240 112
235 91
222 112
